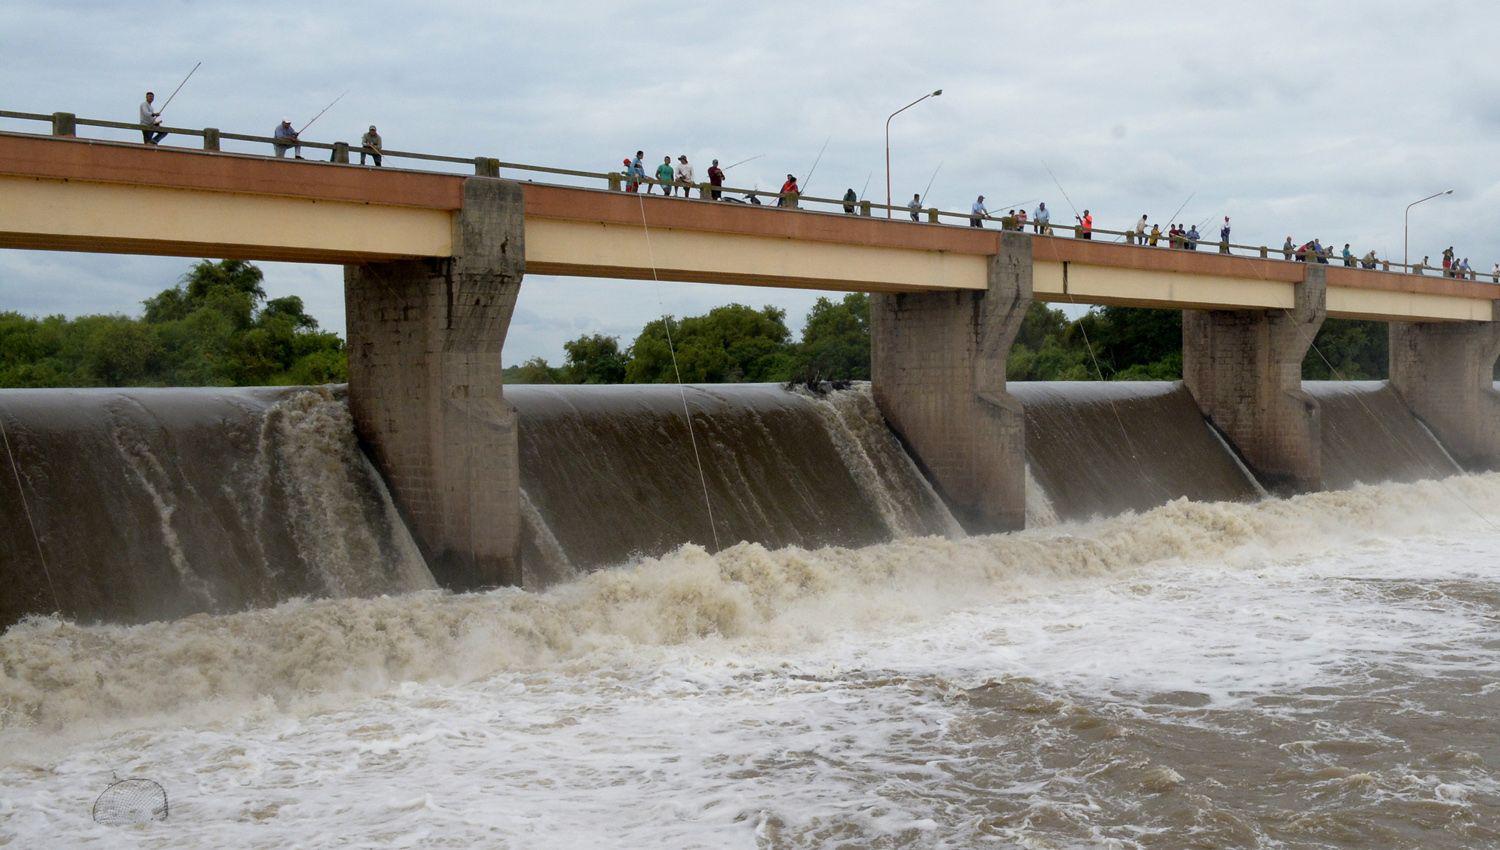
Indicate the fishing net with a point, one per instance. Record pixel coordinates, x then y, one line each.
131 801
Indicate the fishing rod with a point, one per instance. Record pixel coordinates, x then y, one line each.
745 160
320 114
179 87
808 181
929 182
1058 184
867 185
1172 219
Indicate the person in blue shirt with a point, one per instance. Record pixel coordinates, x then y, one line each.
1042 219
1192 238
1348 257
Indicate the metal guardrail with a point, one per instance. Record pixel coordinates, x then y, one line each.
66 124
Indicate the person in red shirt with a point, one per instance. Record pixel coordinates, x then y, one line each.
630 184
716 179
788 192
1086 223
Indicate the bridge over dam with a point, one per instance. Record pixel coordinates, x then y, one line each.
434 262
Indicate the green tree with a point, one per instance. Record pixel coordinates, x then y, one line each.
835 340
595 359
215 327
533 371
730 344
1348 349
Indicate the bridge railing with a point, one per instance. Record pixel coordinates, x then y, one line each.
66 124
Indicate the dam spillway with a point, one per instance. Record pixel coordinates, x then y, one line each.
155 504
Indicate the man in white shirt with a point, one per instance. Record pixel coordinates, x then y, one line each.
977 213
150 120
684 174
915 206
1140 230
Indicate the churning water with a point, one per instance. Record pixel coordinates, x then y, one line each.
1318 671
1310 672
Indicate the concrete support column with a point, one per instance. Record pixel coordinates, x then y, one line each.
1244 367
1445 373
211 138
938 369
425 388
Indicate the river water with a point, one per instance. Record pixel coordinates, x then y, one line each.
1313 672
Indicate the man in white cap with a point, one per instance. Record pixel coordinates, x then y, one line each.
684 175
286 137
370 144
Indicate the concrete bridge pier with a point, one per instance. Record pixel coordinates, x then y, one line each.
938 369
1445 372
425 387
1244 368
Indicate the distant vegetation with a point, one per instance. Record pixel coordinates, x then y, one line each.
217 328
214 328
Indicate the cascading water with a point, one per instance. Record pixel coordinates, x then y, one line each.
153 504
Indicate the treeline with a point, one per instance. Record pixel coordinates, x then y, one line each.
739 343
214 328
217 328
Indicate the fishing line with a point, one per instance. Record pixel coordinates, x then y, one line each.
1089 346
681 388
26 507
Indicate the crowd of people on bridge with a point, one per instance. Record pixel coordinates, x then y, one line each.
678 180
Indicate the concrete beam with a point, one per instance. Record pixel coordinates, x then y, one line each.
1244 368
425 387
1445 372
938 368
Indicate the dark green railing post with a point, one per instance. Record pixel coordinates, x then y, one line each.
486 167
64 124
211 138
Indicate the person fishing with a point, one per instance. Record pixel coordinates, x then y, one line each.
789 193
370 144
1085 225
915 206
1155 237
1042 220
286 138
1224 237
716 180
151 121
850 199
978 213
631 185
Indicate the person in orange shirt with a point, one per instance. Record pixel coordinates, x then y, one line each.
789 191
1086 225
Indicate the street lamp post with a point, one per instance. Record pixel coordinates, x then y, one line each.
888 146
1406 227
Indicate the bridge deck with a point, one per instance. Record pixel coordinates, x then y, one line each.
77 195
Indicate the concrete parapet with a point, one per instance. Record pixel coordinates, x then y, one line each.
425 387
1445 372
1244 368
938 369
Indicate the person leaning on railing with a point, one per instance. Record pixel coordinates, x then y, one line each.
369 144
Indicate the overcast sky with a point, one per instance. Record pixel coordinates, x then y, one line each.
1310 120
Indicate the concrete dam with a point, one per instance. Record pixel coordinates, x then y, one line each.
158 504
